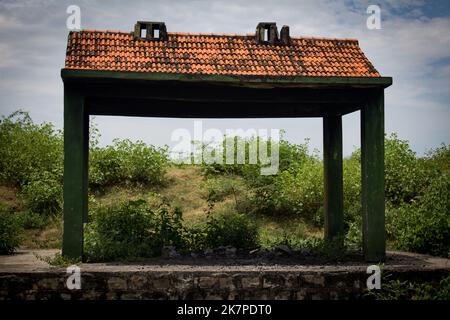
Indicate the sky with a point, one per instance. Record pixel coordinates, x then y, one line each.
412 46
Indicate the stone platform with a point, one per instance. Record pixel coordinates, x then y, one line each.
24 276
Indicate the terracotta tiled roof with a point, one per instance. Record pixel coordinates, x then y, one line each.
218 54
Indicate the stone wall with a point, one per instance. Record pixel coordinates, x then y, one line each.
25 276
193 285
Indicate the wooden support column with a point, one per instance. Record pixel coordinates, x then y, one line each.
76 144
333 183
372 172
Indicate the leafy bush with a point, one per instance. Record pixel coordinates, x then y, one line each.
130 230
104 167
404 177
43 193
9 231
232 229
424 226
32 220
219 188
127 162
397 289
119 232
352 186
194 238
27 148
300 190
31 158
288 155
438 160
295 189
353 233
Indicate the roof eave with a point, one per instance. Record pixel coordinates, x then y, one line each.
232 80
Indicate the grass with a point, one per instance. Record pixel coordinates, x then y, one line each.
57 260
184 191
9 197
48 237
273 230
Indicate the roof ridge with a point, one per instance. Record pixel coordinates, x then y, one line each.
177 33
323 38
104 31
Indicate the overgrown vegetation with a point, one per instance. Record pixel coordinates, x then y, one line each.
136 229
232 229
57 260
396 289
9 231
234 205
127 163
417 193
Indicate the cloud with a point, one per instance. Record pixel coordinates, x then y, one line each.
412 47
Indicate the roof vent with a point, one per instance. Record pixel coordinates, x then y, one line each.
150 30
266 32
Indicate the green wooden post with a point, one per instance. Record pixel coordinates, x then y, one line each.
372 173
76 140
333 183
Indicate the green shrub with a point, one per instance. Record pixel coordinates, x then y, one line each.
27 148
297 188
132 229
31 158
438 159
9 231
352 201
396 289
126 162
32 220
292 240
119 232
104 167
142 163
353 233
404 177
300 190
194 238
289 154
352 186
168 228
424 226
43 193
219 188
232 229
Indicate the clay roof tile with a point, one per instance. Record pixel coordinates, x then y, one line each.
216 54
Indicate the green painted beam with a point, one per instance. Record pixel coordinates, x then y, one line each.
333 181
293 81
372 172
189 109
76 139
85 162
